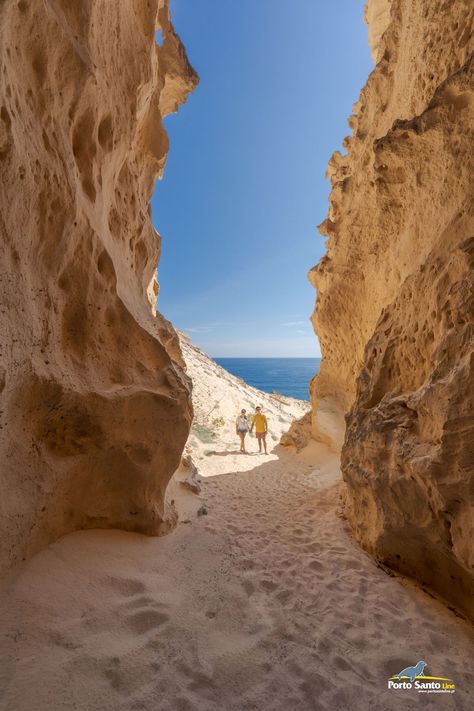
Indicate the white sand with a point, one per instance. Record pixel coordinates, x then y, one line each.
218 398
264 603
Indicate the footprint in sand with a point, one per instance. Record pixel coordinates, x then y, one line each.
268 585
284 596
112 673
299 532
59 639
249 587
142 601
199 681
340 663
145 621
315 565
337 550
126 586
247 564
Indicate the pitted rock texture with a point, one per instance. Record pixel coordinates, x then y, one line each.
299 434
95 406
394 311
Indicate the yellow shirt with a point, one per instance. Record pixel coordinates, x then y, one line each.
260 422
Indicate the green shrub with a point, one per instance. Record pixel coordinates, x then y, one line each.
203 433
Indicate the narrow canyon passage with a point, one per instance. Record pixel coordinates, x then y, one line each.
259 598
262 603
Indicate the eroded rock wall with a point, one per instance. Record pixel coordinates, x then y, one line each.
95 407
394 310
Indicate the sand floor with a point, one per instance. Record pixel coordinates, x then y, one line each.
264 603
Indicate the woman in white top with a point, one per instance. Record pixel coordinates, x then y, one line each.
241 428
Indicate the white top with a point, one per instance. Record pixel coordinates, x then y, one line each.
242 423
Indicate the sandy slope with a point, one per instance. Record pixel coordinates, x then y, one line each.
218 398
264 603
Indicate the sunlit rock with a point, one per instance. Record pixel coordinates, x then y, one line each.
95 407
394 312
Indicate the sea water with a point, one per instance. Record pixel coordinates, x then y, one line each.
288 376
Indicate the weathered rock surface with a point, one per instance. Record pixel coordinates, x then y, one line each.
299 434
95 407
395 313
191 480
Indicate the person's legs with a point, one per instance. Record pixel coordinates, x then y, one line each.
242 445
264 437
259 440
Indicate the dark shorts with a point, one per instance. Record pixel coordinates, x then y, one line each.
242 431
260 434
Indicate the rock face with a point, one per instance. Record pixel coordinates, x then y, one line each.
95 407
299 434
395 312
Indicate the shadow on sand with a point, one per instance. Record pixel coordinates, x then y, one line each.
213 453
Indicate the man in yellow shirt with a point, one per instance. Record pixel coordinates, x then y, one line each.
261 427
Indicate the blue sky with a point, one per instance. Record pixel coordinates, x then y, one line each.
244 185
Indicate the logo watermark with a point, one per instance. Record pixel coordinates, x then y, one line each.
414 678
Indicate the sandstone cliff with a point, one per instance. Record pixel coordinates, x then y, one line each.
394 311
95 408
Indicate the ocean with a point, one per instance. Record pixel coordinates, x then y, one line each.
288 376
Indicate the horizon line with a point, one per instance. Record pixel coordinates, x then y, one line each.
269 357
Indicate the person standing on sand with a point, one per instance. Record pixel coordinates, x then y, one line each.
261 428
241 428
